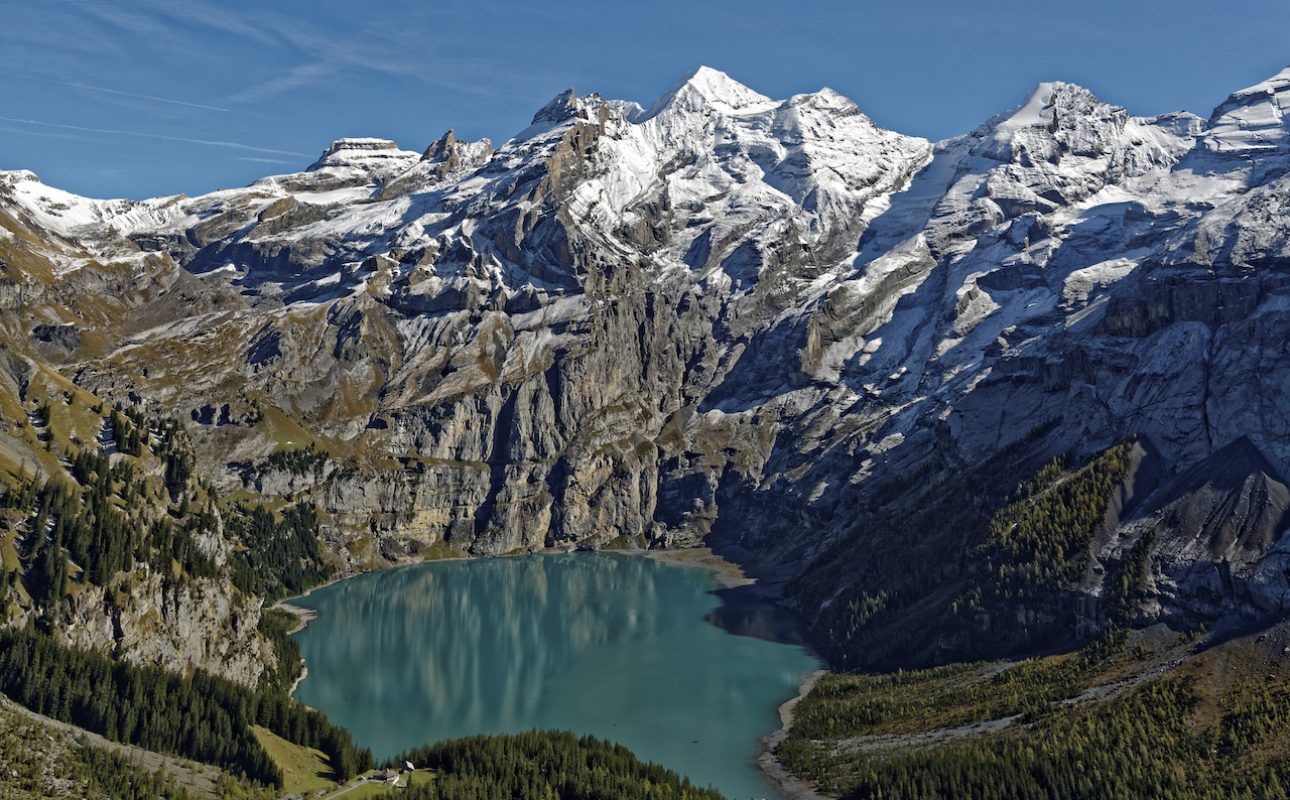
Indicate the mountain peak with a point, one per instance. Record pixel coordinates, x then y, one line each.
560 108
441 148
705 88
1254 118
11 177
359 143
1044 106
1273 87
718 86
361 152
826 98
448 154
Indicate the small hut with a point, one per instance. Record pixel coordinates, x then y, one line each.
386 776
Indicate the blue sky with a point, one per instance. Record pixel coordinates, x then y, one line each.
142 97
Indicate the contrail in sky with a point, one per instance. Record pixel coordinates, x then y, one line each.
208 142
116 91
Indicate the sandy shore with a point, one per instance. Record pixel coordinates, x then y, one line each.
727 573
303 615
304 673
789 785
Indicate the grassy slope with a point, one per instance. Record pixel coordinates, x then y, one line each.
303 768
376 790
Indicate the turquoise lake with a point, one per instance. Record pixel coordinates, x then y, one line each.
620 647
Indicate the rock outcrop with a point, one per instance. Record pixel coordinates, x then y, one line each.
724 312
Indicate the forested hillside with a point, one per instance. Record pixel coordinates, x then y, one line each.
988 565
202 717
52 762
1072 726
544 766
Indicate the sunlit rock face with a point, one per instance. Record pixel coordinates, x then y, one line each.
722 312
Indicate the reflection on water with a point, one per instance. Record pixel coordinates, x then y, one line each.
613 646
744 612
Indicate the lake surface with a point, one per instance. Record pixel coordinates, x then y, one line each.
620 647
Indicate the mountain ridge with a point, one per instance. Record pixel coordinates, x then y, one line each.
726 315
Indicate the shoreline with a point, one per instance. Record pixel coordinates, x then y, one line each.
304 673
788 784
303 616
730 576
727 574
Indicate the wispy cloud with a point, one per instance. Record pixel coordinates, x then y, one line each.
411 44
157 136
105 90
125 20
213 17
53 135
265 160
393 44
296 77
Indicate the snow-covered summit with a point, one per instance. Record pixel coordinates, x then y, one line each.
364 152
12 177
1057 117
457 153
708 88
57 211
1256 118
560 108
1036 112
872 262
715 178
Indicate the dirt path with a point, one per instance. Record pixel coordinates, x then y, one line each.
346 790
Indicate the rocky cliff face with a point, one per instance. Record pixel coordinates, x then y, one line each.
723 313
201 626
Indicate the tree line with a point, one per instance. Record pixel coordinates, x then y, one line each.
543 765
203 717
1143 745
280 554
944 572
97 525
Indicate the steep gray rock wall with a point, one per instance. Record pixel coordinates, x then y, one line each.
725 313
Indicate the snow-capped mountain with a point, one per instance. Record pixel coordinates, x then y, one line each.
722 313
